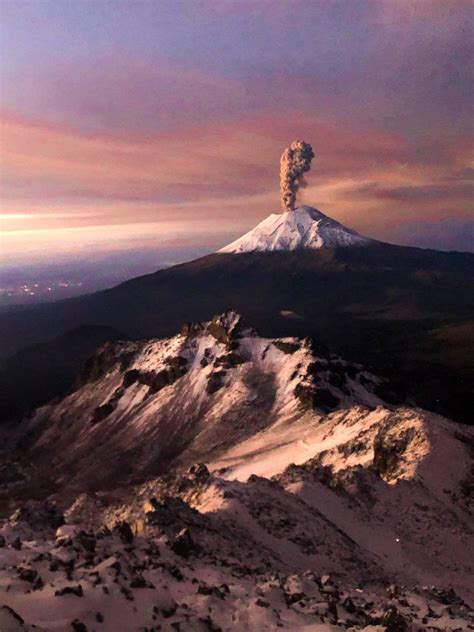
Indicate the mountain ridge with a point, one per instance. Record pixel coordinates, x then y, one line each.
219 479
379 305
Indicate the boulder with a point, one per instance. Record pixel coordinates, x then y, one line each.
183 544
125 531
27 574
199 472
16 544
102 412
86 540
215 382
70 590
393 620
130 377
66 531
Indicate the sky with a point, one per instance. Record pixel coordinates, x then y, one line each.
151 131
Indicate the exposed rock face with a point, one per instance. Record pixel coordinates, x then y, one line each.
226 327
100 363
316 398
103 411
199 472
175 367
392 447
286 347
38 515
170 512
215 382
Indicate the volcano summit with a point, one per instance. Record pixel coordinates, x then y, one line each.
305 227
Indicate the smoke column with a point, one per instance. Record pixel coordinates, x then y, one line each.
294 162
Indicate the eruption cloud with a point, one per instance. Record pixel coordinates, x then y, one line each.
294 162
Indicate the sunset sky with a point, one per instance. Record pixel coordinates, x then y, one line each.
157 126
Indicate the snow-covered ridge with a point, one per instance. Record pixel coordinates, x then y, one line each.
191 397
305 227
238 462
221 394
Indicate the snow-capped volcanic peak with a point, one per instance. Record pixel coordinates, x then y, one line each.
305 227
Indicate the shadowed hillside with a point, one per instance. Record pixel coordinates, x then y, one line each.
389 307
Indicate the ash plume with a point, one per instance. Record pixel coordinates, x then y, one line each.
294 162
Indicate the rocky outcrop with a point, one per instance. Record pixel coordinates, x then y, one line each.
226 327
215 381
38 515
286 347
314 398
156 380
104 360
393 447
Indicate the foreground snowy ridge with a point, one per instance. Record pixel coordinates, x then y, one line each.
321 507
305 227
196 396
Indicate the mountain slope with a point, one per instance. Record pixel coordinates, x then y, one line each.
305 227
308 467
42 371
385 306
169 402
